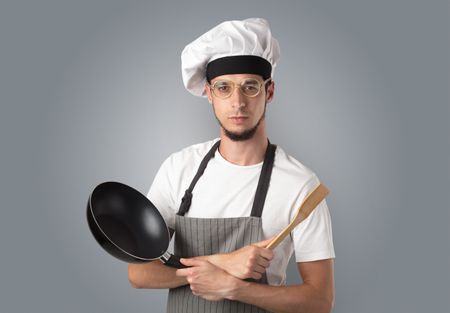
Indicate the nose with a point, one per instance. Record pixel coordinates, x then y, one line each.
237 99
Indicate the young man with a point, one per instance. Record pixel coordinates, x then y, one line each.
226 198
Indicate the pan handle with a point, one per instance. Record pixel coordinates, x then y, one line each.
171 260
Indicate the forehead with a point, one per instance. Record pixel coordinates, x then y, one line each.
236 77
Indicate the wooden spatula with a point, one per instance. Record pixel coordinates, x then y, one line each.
307 206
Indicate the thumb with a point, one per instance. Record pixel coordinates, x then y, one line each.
185 261
263 243
190 261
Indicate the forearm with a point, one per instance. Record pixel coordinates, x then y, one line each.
247 262
154 275
283 299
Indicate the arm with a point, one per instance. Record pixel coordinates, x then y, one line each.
154 275
315 294
247 262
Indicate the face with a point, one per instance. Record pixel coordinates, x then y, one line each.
240 116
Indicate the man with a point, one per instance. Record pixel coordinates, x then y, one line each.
226 198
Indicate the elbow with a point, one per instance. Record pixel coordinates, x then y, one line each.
324 303
132 277
328 305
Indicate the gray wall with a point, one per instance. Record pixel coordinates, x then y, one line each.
91 91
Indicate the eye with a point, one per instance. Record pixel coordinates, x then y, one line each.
250 87
222 86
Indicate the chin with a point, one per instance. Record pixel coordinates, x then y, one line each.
241 135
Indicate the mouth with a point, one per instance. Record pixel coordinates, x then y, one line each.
238 119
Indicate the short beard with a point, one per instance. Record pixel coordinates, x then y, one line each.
246 134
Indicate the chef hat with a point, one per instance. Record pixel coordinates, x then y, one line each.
232 47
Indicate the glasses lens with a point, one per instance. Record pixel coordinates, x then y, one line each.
223 88
250 87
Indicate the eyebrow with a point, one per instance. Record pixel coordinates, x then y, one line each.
229 80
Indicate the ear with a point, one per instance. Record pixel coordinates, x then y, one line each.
208 93
270 91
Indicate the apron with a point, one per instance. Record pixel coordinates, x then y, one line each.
206 236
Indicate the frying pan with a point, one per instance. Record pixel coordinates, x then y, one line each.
128 226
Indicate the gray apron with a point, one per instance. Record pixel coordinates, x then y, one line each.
206 236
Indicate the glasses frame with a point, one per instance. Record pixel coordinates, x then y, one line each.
239 85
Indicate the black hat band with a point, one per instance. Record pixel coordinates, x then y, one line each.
238 64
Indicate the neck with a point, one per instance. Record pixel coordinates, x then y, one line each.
247 152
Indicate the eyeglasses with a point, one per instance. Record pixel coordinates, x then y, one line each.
250 87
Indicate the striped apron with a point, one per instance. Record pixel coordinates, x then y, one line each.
206 236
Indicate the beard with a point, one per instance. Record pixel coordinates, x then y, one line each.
245 134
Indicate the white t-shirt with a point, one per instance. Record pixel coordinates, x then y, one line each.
228 190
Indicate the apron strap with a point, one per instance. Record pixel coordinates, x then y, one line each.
261 190
187 198
264 181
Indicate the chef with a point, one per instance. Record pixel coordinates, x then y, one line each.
224 199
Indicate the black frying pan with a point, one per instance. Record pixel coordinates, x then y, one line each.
128 226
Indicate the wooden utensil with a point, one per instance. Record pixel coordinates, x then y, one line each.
307 206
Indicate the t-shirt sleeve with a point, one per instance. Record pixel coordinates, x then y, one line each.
313 238
161 193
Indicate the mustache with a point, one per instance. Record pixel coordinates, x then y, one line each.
238 113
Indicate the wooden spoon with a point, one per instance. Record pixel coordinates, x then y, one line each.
307 206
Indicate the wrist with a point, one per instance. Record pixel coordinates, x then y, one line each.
213 258
218 260
238 286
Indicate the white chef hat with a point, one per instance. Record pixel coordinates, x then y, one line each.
232 47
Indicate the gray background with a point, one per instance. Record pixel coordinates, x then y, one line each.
91 91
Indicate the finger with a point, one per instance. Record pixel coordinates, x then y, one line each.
183 272
259 269
267 254
263 262
191 262
263 243
256 275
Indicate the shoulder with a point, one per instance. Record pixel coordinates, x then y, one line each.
188 157
195 151
174 176
292 170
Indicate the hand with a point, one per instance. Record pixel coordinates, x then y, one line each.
247 262
207 280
